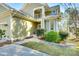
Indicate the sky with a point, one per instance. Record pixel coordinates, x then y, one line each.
18 6
54 4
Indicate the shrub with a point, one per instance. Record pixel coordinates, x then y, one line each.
40 32
63 35
2 33
77 33
52 36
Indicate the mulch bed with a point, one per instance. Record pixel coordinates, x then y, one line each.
5 43
28 37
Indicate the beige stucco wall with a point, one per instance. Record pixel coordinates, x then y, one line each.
21 28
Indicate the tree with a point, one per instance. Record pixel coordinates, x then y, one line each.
73 18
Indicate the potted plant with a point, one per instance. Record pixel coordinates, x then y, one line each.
63 36
2 33
40 33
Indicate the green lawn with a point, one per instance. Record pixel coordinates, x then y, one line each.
52 50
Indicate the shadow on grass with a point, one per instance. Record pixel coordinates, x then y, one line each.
52 50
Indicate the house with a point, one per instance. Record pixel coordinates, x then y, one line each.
48 16
22 23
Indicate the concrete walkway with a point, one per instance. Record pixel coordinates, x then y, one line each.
18 50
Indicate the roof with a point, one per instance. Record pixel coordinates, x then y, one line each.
39 4
19 14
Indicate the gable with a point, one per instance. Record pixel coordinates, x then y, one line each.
55 10
29 7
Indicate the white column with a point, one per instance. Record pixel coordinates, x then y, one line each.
56 26
49 26
11 27
43 16
33 13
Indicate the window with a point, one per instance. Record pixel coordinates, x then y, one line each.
38 13
54 12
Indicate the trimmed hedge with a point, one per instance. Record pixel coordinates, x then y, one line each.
52 36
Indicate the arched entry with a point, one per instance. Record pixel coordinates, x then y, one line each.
35 25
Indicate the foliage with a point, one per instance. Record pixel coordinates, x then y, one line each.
2 33
77 31
52 36
48 12
63 35
73 18
40 32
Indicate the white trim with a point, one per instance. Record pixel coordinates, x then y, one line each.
56 25
2 23
36 9
33 13
43 15
49 26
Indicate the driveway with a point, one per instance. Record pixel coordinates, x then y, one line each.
18 50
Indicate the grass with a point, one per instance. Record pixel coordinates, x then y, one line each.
52 50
